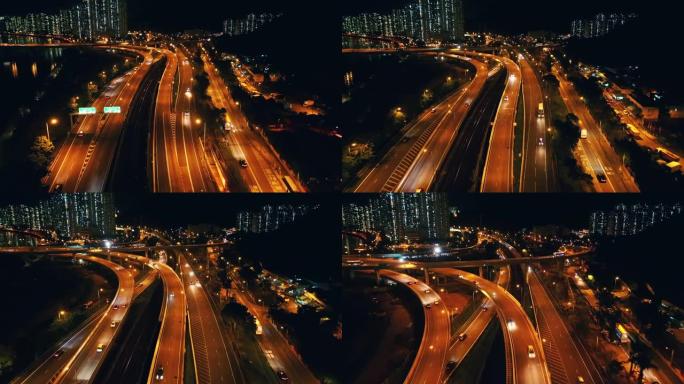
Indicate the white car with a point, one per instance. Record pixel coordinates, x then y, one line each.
530 352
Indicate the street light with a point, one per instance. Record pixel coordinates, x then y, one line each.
52 121
61 314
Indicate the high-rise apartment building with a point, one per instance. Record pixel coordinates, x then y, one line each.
69 215
249 24
599 25
86 20
400 216
270 217
424 20
626 220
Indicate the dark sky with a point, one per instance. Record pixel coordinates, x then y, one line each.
181 209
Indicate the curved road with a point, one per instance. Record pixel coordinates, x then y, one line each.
428 365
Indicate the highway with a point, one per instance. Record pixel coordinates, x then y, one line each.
519 333
215 361
413 162
428 365
83 365
497 175
566 357
477 325
534 174
264 171
84 159
282 355
170 349
179 163
597 155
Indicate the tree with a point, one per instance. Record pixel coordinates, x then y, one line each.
41 153
239 313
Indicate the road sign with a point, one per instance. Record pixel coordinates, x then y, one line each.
113 109
87 110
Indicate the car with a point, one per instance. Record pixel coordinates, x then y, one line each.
115 307
541 142
171 295
283 376
159 374
80 134
506 98
451 364
58 188
436 302
419 190
580 380
243 163
484 309
530 352
123 306
427 291
467 104
433 110
428 305
114 324
462 336
186 116
100 347
58 353
601 178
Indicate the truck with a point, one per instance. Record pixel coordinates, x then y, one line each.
540 110
583 133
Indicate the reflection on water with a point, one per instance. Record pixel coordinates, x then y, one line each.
15 70
10 239
34 69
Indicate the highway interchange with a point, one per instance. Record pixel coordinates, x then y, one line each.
467 140
186 310
527 352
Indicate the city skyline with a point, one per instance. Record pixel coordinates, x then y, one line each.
422 20
85 20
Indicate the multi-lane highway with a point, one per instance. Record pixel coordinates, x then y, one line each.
83 365
263 170
497 175
214 358
428 365
597 155
534 175
412 163
85 158
169 352
479 323
179 162
523 345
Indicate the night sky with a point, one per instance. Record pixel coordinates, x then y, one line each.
219 209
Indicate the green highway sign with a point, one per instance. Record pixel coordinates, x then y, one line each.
113 109
87 110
